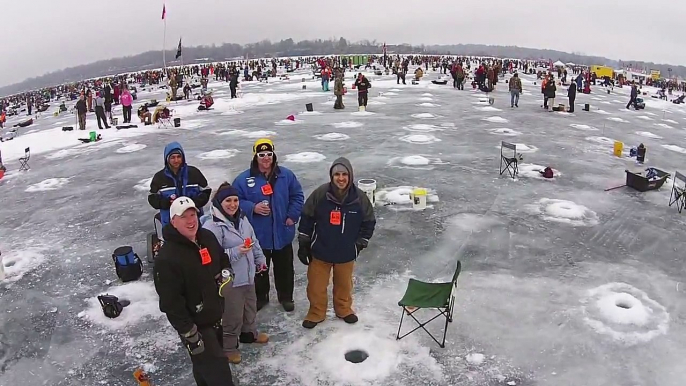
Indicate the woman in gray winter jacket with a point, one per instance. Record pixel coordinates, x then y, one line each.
234 232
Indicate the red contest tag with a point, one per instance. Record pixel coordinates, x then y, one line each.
205 256
335 217
267 190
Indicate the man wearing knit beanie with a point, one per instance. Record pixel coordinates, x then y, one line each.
342 217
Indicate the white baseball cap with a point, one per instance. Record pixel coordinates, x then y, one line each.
180 205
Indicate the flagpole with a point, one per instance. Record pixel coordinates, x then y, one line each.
164 45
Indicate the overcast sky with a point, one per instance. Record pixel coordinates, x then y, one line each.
40 36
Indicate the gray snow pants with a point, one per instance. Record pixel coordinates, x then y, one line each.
240 309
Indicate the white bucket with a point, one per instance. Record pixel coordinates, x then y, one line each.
418 196
368 186
362 109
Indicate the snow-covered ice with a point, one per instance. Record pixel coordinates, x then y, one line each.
398 198
46 185
566 212
425 116
347 125
332 137
648 134
144 305
601 140
624 313
534 171
422 128
537 256
496 119
583 127
675 148
504 131
417 162
218 154
420 138
305 157
131 148
617 119
664 125
428 104
490 109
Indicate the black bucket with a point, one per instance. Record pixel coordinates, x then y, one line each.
309 107
177 122
587 107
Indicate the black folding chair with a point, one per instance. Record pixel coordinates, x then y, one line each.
24 161
678 195
510 163
437 296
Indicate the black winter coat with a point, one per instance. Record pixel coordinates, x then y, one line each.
363 85
571 91
188 290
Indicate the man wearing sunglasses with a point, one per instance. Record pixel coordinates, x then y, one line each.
271 197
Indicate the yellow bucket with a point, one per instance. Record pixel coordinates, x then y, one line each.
619 146
419 196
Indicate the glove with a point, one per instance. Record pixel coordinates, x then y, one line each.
304 248
361 244
194 342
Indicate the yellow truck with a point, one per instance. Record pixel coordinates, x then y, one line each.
602 71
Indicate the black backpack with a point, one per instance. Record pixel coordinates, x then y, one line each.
128 265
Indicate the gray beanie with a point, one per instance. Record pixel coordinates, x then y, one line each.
339 168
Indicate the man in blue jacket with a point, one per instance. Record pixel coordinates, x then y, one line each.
336 225
177 179
272 198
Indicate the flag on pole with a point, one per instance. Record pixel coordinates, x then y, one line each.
164 11
178 50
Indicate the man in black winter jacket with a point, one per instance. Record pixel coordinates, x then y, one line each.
336 224
189 272
363 85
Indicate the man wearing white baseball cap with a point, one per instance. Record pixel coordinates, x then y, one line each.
189 272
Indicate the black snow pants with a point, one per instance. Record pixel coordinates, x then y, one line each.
100 115
211 367
282 260
362 98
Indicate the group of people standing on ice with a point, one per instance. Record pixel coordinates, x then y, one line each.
212 268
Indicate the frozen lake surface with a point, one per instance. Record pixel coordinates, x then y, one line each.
562 284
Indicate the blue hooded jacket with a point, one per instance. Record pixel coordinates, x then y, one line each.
285 202
188 182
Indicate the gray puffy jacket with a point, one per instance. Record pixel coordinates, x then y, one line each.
230 238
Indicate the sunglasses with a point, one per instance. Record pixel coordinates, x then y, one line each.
265 154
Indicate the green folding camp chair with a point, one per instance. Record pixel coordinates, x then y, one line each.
438 296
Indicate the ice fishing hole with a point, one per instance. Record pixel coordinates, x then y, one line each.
623 304
356 356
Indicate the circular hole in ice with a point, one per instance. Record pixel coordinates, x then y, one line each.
622 303
305 157
131 148
218 154
424 116
505 131
347 125
414 160
332 137
422 128
496 119
420 138
583 127
356 356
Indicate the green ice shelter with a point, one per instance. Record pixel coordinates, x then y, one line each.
359 60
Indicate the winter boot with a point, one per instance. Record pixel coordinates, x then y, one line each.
350 319
249 337
288 306
308 324
234 357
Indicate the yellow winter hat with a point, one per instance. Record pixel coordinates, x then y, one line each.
262 144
